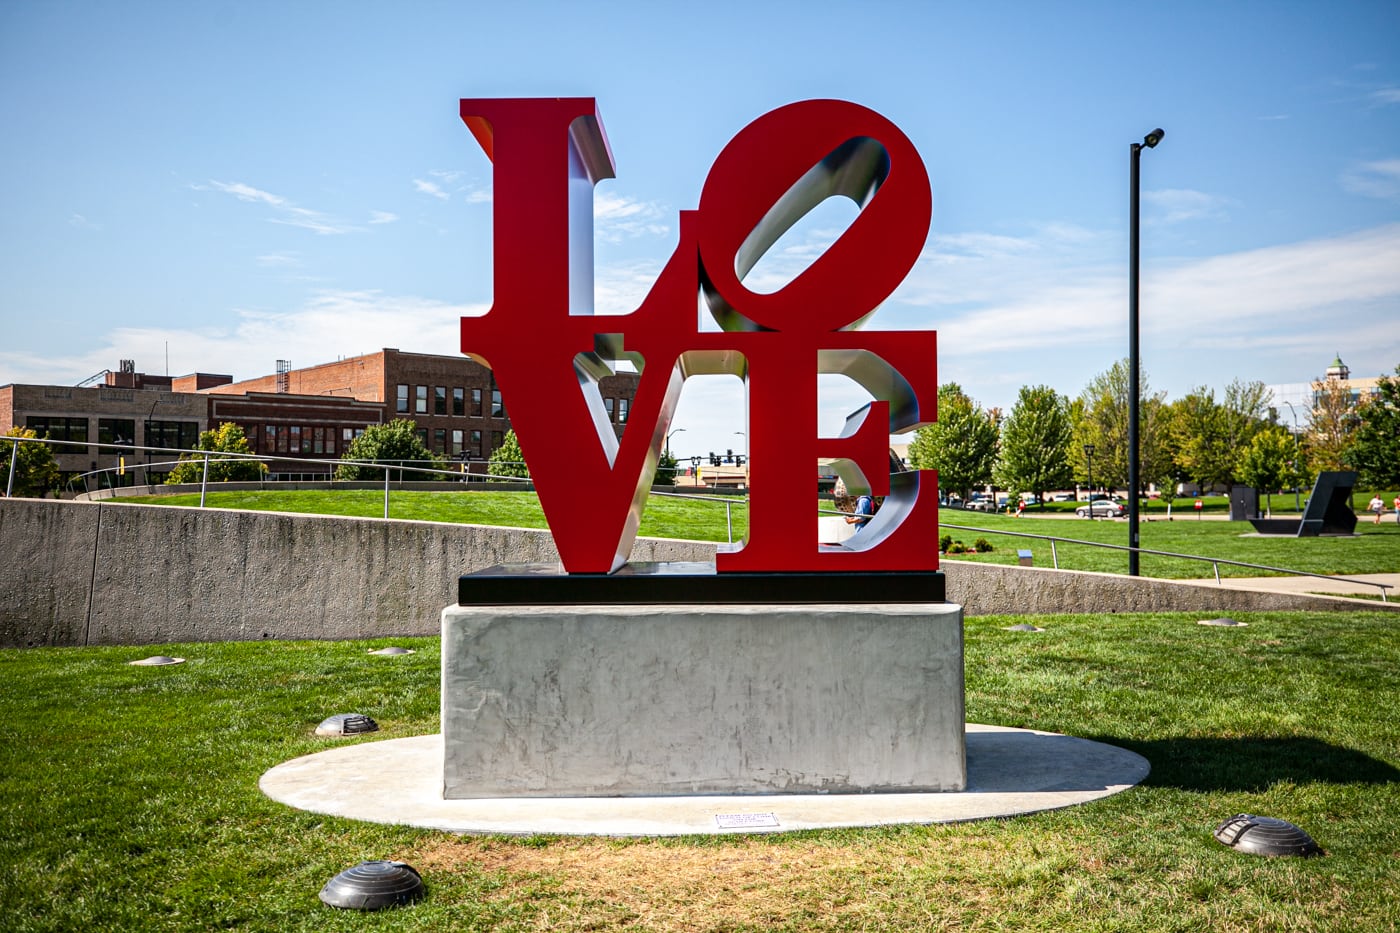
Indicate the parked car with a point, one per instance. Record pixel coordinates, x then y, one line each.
980 505
1103 508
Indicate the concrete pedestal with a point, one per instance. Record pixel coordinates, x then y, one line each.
649 700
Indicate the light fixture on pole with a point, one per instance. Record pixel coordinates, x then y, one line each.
1149 141
1297 465
1089 469
668 441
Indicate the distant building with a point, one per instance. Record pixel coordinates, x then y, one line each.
289 416
1292 403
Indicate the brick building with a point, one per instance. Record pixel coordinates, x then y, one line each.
292 415
154 415
454 400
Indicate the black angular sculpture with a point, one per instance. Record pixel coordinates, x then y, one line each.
1328 511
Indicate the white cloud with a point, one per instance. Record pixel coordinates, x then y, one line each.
430 188
247 193
1379 179
479 196
382 217
82 223
616 217
288 213
328 325
1386 95
278 260
1178 204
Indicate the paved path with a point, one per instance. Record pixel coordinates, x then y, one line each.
1341 587
1009 772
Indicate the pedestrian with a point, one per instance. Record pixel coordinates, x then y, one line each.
1378 506
865 510
1396 503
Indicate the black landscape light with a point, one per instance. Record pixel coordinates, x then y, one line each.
343 724
1264 835
373 885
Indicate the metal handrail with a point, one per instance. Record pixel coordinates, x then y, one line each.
1214 561
388 466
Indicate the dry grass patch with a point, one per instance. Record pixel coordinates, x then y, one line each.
747 882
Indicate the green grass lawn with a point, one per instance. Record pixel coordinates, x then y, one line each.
689 519
129 800
1374 549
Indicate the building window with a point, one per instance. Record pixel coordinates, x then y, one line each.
401 400
420 404
282 434
611 403
497 409
623 406
475 447
459 404
120 431
318 440
60 429
422 436
172 434
497 438
269 443
476 403
440 440
439 400
456 443
347 436
294 443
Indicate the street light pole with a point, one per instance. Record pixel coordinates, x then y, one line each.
668 441
1089 469
1134 366
1297 457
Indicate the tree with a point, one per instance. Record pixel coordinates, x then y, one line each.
961 445
1332 424
1035 443
665 470
36 470
1264 463
397 443
1375 448
228 438
1104 423
508 459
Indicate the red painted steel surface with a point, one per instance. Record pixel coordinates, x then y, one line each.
542 342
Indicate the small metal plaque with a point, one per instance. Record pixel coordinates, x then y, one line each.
746 820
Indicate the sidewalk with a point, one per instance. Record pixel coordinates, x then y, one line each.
1316 584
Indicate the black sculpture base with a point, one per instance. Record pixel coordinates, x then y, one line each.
689 583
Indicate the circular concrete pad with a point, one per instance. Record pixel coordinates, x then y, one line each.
1009 772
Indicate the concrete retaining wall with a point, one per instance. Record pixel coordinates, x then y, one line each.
77 573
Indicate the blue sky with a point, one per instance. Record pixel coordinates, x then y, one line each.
223 185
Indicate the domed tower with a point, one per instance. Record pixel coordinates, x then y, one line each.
1338 369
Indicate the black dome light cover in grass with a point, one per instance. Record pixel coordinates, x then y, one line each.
373 885
347 724
1264 835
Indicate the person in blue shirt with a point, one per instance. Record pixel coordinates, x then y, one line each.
865 510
